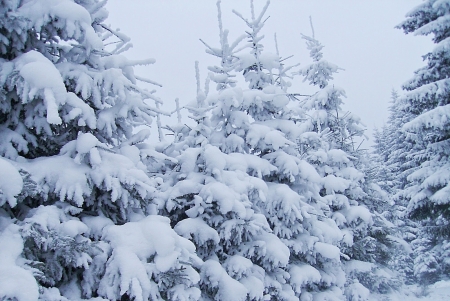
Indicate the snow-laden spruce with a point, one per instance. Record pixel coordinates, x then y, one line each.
265 186
392 165
75 191
209 195
353 199
427 102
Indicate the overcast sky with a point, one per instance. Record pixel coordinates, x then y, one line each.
359 36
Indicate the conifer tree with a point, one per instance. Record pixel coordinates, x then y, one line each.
355 201
393 164
427 101
75 193
312 236
393 148
251 135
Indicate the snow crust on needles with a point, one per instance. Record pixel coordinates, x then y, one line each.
140 237
76 18
40 74
15 282
133 244
11 183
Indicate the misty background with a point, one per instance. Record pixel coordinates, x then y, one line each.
359 36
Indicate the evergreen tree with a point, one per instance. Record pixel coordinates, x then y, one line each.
75 191
393 149
209 195
355 200
276 135
286 244
392 166
427 100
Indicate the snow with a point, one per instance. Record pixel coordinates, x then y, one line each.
188 159
70 182
334 184
82 110
442 196
308 172
276 251
255 287
227 199
134 243
439 87
358 266
70 290
139 137
85 142
41 76
256 133
276 139
73 228
180 292
134 278
357 291
15 281
120 61
133 153
234 143
327 231
351 173
94 157
237 118
238 266
75 180
228 288
198 230
338 156
437 291
218 78
11 183
96 224
138 237
332 295
75 18
437 177
327 250
249 163
182 188
303 274
437 118
286 199
54 294
246 60
47 217
214 159
355 212
269 60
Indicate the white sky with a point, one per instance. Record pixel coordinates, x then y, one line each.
358 35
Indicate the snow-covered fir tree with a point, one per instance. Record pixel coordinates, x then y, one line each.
212 189
74 190
386 174
218 188
293 207
393 164
354 199
296 180
208 197
427 99
393 149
